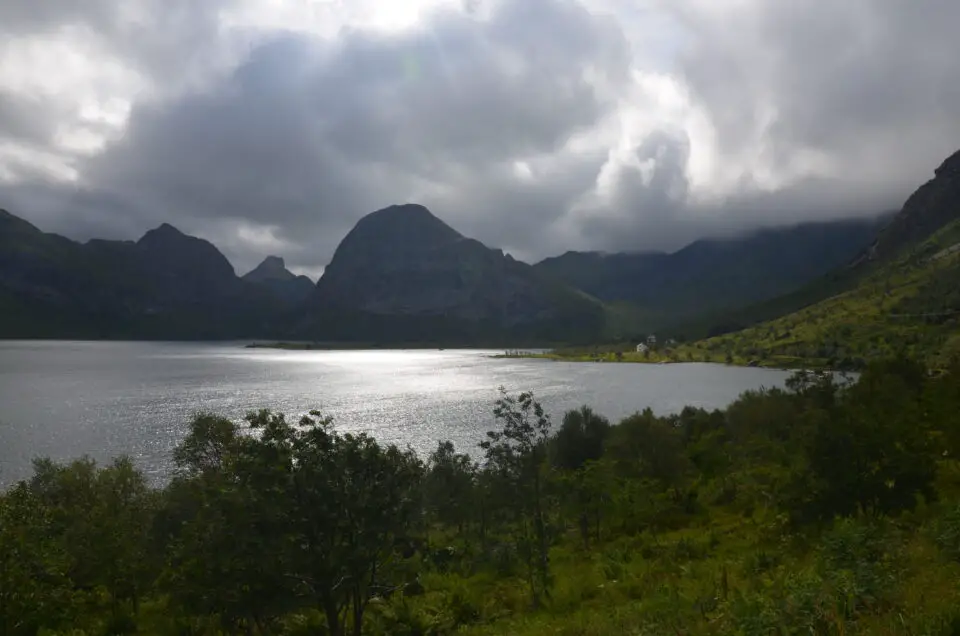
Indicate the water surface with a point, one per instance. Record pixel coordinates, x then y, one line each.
104 399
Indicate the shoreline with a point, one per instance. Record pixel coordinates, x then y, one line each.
630 358
294 345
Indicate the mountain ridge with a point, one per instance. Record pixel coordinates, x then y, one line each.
712 275
403 274
272 274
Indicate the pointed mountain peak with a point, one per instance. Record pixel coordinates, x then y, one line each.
170 249
272 268
162 232
274 262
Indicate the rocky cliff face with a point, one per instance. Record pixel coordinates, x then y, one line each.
403 261
932 206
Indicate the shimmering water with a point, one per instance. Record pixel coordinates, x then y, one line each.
103 399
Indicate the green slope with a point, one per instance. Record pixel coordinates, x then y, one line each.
715 275
908 304
931 208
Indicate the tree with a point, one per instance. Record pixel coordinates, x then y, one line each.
873 455
348 503
517 453
287 513
122 521
449 485
941 402
574 449
35 591
579 439
224 520
643 445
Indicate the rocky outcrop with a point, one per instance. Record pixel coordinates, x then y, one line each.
272 274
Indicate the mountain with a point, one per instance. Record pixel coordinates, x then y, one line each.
272 274
402 273
935 204
902 293
927 211
166 285
713 275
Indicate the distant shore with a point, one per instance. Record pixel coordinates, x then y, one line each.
680 356
295 345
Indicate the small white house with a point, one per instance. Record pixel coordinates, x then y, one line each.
651 340
642 348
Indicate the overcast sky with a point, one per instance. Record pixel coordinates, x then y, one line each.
538 126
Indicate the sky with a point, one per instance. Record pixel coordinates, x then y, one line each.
536 126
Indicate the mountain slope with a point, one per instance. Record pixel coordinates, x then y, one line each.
272 274
934 205
402 273
717 274
901 294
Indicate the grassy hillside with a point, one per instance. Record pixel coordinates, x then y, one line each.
911 304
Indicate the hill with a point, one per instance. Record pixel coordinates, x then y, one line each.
715 275
900 294
402 274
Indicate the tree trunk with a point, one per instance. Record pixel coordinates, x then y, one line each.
332 612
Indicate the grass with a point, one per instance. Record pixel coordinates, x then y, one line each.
726 573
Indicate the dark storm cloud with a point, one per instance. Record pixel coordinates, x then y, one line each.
301 136
306 137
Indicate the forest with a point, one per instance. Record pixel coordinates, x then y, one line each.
830 506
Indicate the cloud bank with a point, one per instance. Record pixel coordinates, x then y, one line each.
271 126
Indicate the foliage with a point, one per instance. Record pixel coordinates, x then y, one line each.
516 454
826 507
907 306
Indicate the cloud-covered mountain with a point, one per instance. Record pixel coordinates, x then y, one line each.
535 125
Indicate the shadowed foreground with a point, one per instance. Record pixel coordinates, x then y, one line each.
825 508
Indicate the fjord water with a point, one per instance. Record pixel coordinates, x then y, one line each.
103 399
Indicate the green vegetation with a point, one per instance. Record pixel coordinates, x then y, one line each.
828 507
713 276
907 306
911 306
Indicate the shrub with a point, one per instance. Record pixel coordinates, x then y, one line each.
948 533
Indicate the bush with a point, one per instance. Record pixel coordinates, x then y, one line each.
861 559
948 533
